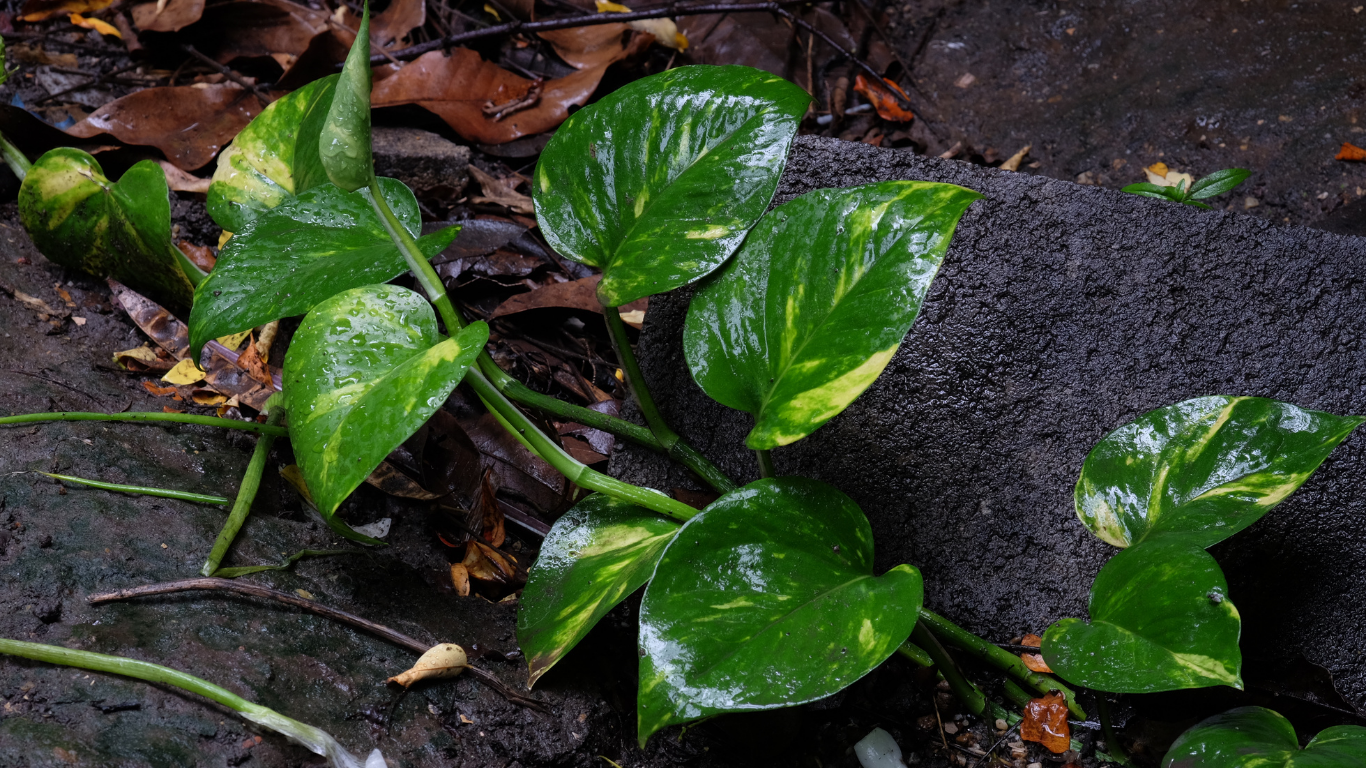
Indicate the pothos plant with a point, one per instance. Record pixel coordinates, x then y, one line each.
767 597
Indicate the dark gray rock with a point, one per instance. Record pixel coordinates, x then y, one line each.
422 160
1062 312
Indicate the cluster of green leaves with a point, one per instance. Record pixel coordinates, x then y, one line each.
1253 737
1216 183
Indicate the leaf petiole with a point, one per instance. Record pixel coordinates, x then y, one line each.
246 494
148 416
141 490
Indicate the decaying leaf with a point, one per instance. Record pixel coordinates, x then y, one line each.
103 27
188 123
1034 660
1013 162
1162 176
163 16
664 30
41 10
1351 152
143 358
501 192
180 181
261 28
880 95
460 579
1045 721
445 660
575 294
183 373
484 563
201 255
491 515
588 47
389 479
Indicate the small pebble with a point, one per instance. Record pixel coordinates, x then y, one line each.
1036 765
951 729
1001 725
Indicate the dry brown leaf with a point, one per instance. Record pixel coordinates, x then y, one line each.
445 660
460 579
143 358
1013 162
1034 660
42 10
457 87
261 28
389 479
188 124
587 47
180 181
485 563
500 192
161 391
1351 152
881 97
250 361
396 21
1045 721
170 17
200 255
575 294
103 27
492 524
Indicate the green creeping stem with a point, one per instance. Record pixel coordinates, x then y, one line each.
315 740
177 418
1004 660
517 422
246 493
1112 746
971 696
915 653
141 490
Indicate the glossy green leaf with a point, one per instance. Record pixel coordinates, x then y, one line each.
1160 621
345 142
1253 737
657 183
290 258
767 599
81 220
273 159
364 371
1146 189
1204 468
596 554
1219 182
817 301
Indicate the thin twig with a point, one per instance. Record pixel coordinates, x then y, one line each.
261 95
254 590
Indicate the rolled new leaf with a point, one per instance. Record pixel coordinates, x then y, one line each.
657 183
767 599
345 142
817 300
80 219
1254 737
365 370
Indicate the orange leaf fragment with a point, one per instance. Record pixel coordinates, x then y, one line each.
42 10
881 96
103 27
1351 152
1045 721
1034 660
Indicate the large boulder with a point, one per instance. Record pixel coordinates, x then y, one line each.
1061 312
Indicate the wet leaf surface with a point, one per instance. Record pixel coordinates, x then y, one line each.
817 301
630 184
1045 722
344 144
188 124
883 97
1161 620
1254 737
172 17
767 599
596 554
1202 469
588 47
365 370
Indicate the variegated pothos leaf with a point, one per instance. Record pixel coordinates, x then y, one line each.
345 141
1254 737
364 371
817 300
657 183
1203 469
596 554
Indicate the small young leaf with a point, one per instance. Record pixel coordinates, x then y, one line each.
1253 737
1146 189
596 554
289 258
81 220
345 142
817 300
767 599
273 159
1197 204
1160 621
1203 469
1219 182
364 371
657 183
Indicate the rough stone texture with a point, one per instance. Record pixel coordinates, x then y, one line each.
422 160
1060 313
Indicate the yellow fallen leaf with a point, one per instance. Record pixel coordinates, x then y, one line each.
233 340
1162 176
490 10
103 27
305 594
184 372
1013 164
445 660
605 6
664 30
44 10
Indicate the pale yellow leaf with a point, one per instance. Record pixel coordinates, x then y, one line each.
185 372
103 27
233 340
445 660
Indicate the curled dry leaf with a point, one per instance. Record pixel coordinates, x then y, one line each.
1351 152
180 181
187 123
575 294
165 16
881 97
501 192
396 21
460 579
457 87
445 660
588 47
665 31
103 27
484 563
1045 721
389 479
200 255
1034 660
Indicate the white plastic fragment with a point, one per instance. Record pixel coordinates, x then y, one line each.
878 750
376 530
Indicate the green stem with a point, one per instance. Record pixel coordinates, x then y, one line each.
1001 659
967 693
1112 747
421 268
246 493
1017 695
765 463
314 739
177 418
915 653
15 159
141 490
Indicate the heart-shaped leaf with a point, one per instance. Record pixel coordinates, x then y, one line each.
817 300
345 141
81 220
767 599
364 371
290 258
273 159
596 554
1203 469
657 184
1160 621
1253 737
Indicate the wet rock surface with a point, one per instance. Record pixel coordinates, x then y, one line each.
1062 312
423 160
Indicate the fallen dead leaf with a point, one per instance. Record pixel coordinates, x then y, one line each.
389 479
485 563
457 87
167 16
261 28
180 181
185 372
492 523
103 27
201 255
1162 176
576 294
41 10
161 391
396 21
187 123
881 97
1034 660
460 578
1013 163
1045 721
1351 152
445 660
588 47
143 358
500 192
664 30
250 361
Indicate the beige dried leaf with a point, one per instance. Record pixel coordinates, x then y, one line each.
445 660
